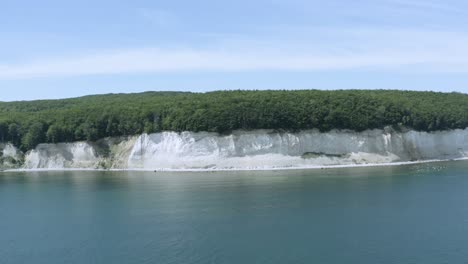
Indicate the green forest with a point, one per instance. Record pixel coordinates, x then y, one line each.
28 123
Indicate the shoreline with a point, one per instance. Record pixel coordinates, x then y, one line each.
259 150
246 169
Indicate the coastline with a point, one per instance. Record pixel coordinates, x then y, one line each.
349 166
243 151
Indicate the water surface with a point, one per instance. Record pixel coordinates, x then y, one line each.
399 214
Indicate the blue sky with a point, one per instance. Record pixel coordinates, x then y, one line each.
57 49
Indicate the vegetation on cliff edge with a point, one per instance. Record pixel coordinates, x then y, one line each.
28 123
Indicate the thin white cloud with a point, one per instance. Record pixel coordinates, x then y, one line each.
428 5
158 17
370 49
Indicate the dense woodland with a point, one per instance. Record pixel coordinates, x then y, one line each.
28 123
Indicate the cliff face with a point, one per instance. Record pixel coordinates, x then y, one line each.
10 157
259 149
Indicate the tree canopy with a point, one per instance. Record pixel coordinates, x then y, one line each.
28 123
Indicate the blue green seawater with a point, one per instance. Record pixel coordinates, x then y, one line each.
398 214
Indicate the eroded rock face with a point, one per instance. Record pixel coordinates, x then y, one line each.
10 157
259 149
62 155
263 149
110 153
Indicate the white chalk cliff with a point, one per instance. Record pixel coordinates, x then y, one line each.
258 149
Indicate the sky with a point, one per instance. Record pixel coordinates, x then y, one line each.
57 49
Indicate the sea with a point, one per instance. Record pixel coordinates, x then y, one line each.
414 213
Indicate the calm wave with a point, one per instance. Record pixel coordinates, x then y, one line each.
401 214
